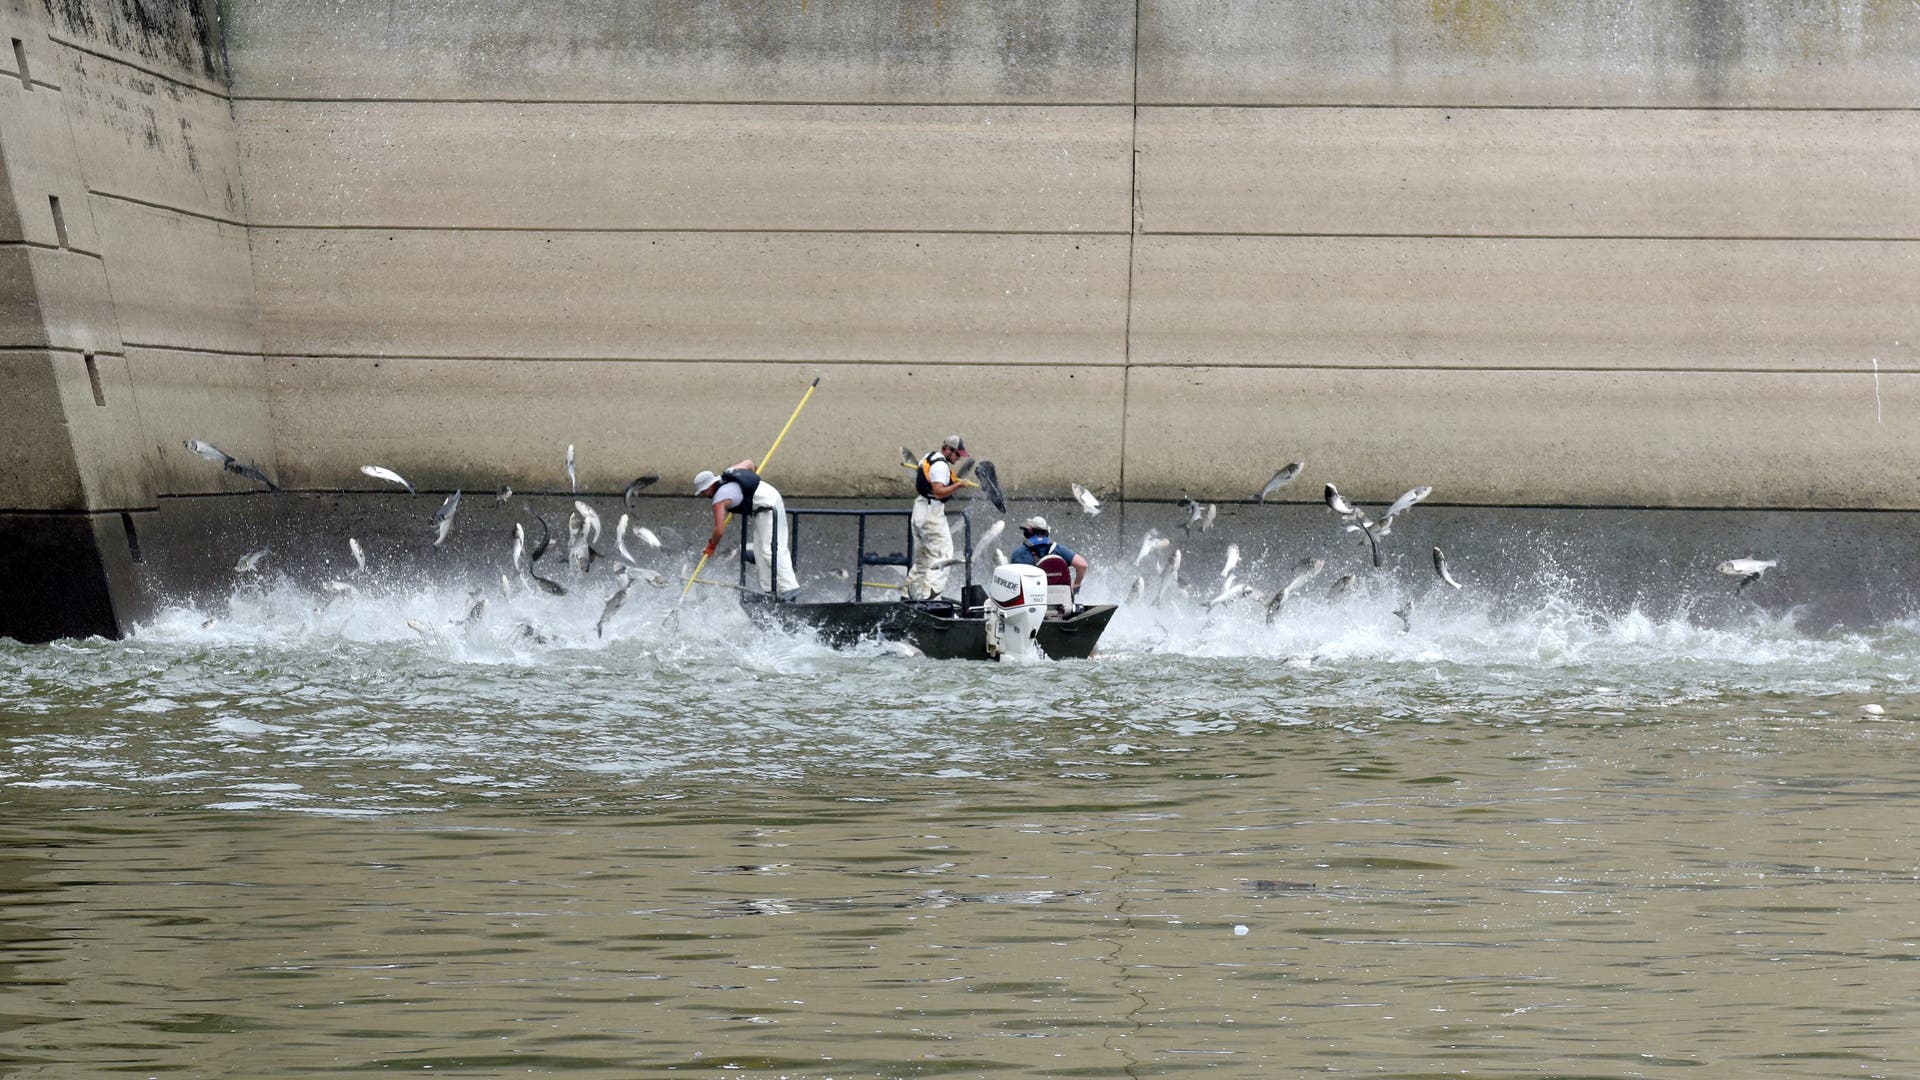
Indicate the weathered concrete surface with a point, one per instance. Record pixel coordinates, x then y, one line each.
178 280
220 398
1532 172
421 417
179 39
1850 54
1412 302
127 102
611 167
152 139
54 299
1668 438
660 50
954 298
37 156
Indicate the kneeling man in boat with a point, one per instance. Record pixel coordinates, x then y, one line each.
1065 570
740 490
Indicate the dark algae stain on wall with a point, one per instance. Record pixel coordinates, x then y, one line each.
177 37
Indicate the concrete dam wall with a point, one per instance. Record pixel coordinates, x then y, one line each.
1569 254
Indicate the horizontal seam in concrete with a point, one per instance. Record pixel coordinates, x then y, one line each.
1706 237
811 103
724 229
255 355
141 68
1116 364
271 354
742 102
1207 365
1489 107
149 204
38 246
66 513
65 349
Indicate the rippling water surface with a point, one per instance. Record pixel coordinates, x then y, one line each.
296 837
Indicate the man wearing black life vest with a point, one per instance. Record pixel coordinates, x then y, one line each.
740 490
932 542
1061 564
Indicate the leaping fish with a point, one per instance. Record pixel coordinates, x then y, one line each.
518 557
1405 611
620 540
381 472
228 462
579 547
443 517
546 538
500 497
638 485
987 538
1747 570
1233 560
1206 519
1169 578
1281 478
1303 572
251 561
591 517
208 450
1337 502
1137 589
1401 505
1151 544
573 481
1440 567
1233 591
1087 502
1366 529
909 459
1194 513
1341 585
614 603
359 556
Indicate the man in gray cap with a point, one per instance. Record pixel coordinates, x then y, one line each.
740 490
1063 566
935 483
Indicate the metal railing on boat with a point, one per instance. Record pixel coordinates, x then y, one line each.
862 557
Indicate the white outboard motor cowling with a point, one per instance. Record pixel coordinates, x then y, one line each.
1016 606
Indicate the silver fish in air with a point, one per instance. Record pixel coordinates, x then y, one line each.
381 472
1281 478
443 518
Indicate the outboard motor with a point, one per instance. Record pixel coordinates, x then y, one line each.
1016 606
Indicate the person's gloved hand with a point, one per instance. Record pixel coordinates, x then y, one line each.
709 549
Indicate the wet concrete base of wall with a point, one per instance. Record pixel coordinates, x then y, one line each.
106 574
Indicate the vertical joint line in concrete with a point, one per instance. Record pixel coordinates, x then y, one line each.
20 64
1133 235
59 219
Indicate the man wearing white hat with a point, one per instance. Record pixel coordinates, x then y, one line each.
740 490
934 483
1062 565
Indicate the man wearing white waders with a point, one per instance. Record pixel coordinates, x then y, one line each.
740 490
932 543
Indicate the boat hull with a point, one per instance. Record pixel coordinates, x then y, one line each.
943 635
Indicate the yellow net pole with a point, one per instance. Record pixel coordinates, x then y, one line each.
763 468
